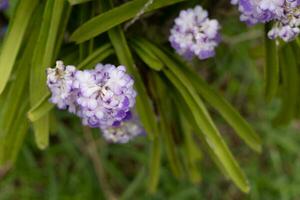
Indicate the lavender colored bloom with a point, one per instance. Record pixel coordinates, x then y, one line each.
123 132
4 4
106 94
284 13
194 34
102 98
60 80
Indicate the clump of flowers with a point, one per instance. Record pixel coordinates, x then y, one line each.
102 97
194 34
285 14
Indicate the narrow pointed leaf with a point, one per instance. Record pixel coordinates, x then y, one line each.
155 163
203 119
44 55
211 134
164 106
14 39
114 17
228 112
239 124
146 56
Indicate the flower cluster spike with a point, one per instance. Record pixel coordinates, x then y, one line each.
102 97
194 34
284 13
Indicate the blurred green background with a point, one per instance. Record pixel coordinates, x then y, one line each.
79 164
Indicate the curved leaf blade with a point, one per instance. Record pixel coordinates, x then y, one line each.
114 17
14 39
202 119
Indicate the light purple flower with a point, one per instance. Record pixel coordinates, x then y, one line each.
123 132
285 14
60 81
106 94
102 98
4 4
194 34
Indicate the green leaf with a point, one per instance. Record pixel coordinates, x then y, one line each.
42 107
14 39
202 118
154 165
211 135
114 17
191 151
18 93
147 57
16 135
187 123
242 128
16 96
271 67
290 87
44 55
165 107
217 101
75 2
97 56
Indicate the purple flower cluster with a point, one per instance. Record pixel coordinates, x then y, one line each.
102 97
284 13
194 34
4 4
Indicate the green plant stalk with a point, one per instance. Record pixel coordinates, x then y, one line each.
271 70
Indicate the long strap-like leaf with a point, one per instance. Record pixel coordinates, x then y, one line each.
240 125
43 57
202 118
14 39
114 17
